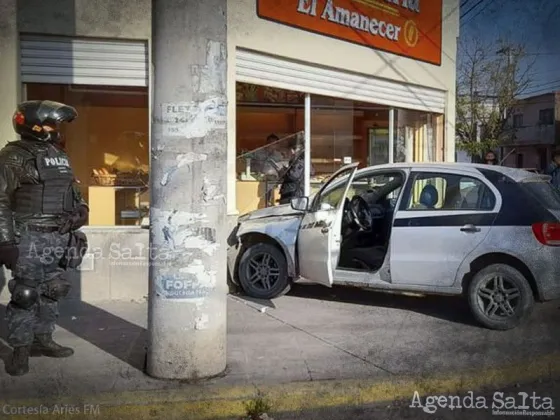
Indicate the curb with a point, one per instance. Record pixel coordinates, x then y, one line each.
205 402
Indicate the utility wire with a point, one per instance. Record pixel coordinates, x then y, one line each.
477 13
471 9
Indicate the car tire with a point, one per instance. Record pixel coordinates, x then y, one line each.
277 267
486 295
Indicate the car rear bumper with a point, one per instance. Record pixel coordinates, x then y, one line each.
546 271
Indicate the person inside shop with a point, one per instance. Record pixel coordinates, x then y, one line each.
293 174
490 158
267 162
40 214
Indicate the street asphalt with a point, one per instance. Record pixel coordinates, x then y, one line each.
312 349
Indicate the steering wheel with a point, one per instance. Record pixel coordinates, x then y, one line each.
361 214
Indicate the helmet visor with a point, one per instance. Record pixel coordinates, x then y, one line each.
52 113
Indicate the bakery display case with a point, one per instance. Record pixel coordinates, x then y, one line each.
118 198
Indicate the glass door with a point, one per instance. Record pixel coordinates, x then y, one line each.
378 146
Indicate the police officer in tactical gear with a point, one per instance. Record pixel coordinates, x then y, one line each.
40 212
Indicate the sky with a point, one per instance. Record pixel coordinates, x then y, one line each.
535 23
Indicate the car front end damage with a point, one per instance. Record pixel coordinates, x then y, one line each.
278 226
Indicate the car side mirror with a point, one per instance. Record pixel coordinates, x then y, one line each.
300 203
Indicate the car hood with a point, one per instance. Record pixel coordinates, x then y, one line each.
282 210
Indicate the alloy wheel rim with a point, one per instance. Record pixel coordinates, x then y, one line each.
499 297
263 271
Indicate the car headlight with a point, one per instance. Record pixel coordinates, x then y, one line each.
232 238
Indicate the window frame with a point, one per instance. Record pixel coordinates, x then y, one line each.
430 173
548 112
515 117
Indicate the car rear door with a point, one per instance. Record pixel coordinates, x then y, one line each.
320 235
429 243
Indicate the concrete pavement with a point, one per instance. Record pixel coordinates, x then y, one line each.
314 348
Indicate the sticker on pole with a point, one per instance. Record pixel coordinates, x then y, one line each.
186 284
194 119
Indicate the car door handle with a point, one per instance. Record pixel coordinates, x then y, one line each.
470 228
325 230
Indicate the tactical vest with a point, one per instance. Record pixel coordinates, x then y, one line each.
53 194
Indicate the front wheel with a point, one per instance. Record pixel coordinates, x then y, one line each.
263 272
500 297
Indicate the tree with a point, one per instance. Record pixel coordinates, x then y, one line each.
490 78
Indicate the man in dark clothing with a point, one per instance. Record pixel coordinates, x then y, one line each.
490 158
554 169
40 212
292 179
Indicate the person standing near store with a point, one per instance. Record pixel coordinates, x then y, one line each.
490 158
553 169
39 217
292 178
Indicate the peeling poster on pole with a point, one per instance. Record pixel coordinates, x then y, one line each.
183 286
194 119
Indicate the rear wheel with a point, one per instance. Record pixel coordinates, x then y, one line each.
263 272
500 297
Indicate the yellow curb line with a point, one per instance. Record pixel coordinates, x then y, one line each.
205 402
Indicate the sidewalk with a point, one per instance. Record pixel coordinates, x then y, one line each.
308 350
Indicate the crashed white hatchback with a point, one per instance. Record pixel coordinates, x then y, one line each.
489 233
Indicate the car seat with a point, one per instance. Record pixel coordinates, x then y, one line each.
429 196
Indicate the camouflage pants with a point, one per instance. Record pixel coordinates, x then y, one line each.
38 263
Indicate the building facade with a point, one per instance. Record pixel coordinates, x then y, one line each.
537 131
370 81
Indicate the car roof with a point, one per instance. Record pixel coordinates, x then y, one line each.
518 175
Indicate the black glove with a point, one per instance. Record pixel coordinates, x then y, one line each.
9 255
79 217
76 220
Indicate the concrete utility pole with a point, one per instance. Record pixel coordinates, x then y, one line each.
188 289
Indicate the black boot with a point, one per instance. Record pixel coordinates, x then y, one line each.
43 345
19 364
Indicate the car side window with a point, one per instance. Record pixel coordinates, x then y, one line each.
387 184
449 192
331 197
363 185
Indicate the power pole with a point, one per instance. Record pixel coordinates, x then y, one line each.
188 288
510 74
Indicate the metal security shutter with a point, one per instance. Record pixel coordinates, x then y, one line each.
83 61
260 69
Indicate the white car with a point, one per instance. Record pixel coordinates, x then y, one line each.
489 233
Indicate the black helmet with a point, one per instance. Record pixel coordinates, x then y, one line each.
31 117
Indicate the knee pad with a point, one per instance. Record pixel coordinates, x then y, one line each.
56 289
23 296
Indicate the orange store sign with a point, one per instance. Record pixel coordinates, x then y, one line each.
411 28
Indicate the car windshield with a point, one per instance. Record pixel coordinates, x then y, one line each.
545 193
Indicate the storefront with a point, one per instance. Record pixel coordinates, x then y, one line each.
370 81
379 78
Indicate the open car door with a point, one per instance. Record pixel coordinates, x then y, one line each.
320 233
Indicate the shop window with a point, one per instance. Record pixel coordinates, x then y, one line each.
449 192
344 132
270 121
340 134
108 146
418 136
269 124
